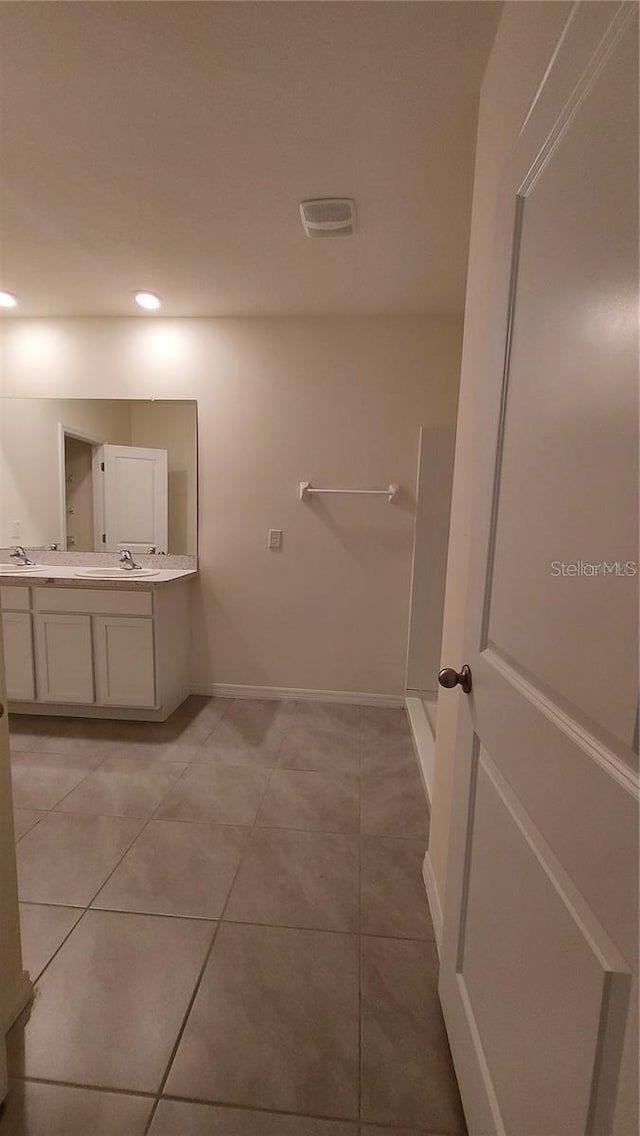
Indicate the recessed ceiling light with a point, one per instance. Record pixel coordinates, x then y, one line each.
7 300
147 300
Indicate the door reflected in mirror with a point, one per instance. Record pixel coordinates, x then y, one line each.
99 475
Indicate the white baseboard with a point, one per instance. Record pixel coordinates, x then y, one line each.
299 694
425 746
423 741
433 899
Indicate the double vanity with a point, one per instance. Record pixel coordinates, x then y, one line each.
96 641
89 488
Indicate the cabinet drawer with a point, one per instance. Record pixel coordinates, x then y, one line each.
93 601
14 598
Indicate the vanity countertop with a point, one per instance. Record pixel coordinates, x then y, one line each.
65 576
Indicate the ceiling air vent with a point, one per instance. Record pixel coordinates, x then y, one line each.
328 217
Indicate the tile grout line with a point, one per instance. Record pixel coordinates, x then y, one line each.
153 816
253 1110
64 796
233 922
44 812
222 1105
146 824
124 816
91 1088
242 859
87 908
415 839
209 952
182 1027
220 824
83 910
57 950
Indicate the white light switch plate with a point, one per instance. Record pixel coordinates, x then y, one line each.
275 538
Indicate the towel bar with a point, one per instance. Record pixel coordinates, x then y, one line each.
307 490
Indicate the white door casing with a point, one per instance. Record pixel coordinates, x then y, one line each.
539 958
433 511
65 432
132 504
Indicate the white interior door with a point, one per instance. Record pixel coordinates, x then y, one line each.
134 498
539 958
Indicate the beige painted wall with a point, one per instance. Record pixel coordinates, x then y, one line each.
171 426
336 402
30 458
526 37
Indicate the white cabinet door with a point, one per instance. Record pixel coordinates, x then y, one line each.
18 645
64 658
125 672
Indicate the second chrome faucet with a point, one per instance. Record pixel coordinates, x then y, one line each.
127 562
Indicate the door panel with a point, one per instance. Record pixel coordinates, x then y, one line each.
567 523
582 800
536 1007
540 940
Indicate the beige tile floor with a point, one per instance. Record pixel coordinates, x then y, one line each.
226 924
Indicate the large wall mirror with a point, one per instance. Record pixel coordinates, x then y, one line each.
99 475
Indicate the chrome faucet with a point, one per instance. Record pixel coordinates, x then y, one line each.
21 557
127 562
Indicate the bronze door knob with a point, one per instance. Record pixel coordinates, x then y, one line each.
450 678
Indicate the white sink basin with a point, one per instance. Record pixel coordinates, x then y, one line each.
124 574
20 569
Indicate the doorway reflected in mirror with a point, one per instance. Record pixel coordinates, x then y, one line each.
99 475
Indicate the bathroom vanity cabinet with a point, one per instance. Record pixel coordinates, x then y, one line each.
120 652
